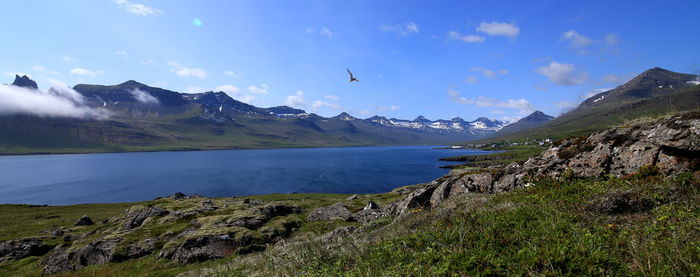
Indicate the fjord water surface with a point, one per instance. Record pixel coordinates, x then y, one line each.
126 177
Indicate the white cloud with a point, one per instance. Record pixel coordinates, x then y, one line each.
394 108
593 92
611 39
489 73
563 74
262 89
148 62
520 104
232 74
121 53
576 40
185 71
499 29
324 31
229 89
400 29
138 9
144 97
59 101
469 38
84 72
365 112
471 79
331 97
246 99
318 104
69 58
194 89
296 100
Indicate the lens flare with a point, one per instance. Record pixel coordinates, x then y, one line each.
197 22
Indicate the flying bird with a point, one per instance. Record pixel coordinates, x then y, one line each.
352 78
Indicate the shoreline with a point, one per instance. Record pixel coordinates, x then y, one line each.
2 154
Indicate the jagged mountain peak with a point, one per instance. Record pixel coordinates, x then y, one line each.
538 116
421 119
24 82
345 116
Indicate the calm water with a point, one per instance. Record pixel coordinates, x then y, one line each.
122 177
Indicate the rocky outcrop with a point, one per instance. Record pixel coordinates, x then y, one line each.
670 145
335 211
137 215
24 82
22 248
83 221
63 258
209 247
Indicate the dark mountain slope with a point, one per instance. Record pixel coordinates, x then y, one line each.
654 92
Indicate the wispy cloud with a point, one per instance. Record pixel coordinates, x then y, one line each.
121 53
331 97
522 105
262 89
232 74
296 100
490 73
471 79
187 71
68 58
138 9
59 101
323 31
611 39
400 29
563 74
84 72
144 97
231 90
576 40
465 38
494 28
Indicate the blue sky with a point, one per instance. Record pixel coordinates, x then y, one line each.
440 59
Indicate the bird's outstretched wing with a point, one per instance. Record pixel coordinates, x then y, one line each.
351 77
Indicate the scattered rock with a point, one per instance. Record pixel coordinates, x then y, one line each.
21 248
338 234
83 221
352 197
252 202
136 250
177 196
335 211
370 206
63 258
210 247
137 215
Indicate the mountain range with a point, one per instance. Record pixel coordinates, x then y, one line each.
654 92
144 118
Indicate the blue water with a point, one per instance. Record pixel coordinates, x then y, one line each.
125 177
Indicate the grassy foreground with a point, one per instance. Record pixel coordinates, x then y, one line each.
23 221
640 225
